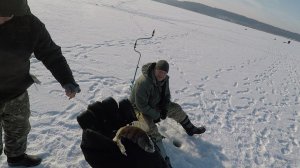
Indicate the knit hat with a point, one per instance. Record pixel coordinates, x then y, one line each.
162 65
14 7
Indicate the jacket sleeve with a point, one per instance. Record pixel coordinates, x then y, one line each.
50 54
142 94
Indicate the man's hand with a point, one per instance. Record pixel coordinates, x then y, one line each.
163 112
71 90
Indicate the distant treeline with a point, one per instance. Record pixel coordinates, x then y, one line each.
231 17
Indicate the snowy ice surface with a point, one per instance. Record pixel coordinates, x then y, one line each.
243 84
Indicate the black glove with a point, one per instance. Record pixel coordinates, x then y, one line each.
163 114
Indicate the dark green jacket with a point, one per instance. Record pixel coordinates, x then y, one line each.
20 37
146 94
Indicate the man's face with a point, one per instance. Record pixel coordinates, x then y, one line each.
160 75
4 19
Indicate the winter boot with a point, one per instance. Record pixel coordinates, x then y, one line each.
24 160
190 128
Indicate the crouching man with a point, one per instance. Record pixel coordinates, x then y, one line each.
150 97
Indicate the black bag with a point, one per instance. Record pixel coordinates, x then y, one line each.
100 122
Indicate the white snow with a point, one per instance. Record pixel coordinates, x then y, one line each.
243 84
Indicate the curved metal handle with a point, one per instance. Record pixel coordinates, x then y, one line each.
140 55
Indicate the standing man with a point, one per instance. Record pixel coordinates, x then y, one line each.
21 34
150 97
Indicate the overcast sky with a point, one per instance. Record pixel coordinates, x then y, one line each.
280 13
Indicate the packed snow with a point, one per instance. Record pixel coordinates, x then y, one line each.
242 84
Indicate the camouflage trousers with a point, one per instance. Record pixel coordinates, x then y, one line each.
14 120
174 111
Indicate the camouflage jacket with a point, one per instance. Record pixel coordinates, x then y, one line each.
146 94
20 37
